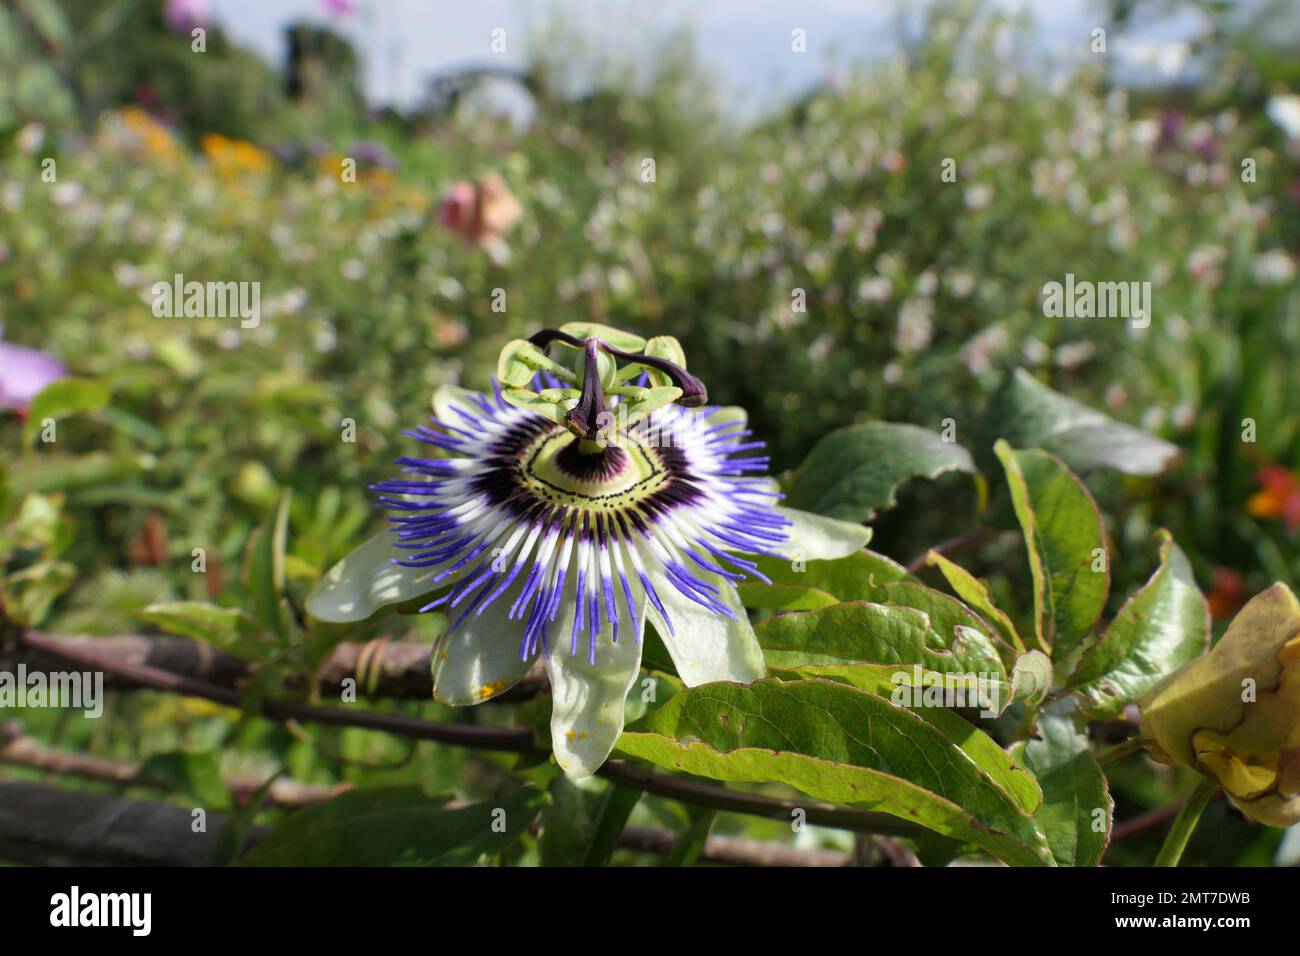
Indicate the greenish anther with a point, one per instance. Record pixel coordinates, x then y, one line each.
602 364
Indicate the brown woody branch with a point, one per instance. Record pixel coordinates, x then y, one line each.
21 751
97 653
388 668
42 825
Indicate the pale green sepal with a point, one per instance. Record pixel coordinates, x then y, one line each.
706 646
480 659
814 537
367 580
446 398
587 700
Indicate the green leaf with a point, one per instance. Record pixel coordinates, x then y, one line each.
837 743
1065 540
34 589
1028 414
139 430
946 613
49 20
853 472
229 842
783 597
1076 814
975 593
902 688
1161 627
391 826
188 773
868 578
808 585
90 471
63 399
264 567
582 824
989 691
831 641
226 628
691 844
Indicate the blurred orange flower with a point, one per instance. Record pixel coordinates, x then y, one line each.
481 214
1227 593
233 157
1278 497
148 136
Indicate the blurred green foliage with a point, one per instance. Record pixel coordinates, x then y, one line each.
814 264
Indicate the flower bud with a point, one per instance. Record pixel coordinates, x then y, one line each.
1234 713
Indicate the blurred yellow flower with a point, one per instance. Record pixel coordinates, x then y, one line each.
378 179
374 178
330 165
1234 714
233 157
146 136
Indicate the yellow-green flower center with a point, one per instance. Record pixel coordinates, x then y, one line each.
553 469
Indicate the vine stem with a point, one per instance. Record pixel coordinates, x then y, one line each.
518 740
978 536
1185 823
1119 751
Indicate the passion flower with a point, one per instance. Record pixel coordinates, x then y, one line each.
589 492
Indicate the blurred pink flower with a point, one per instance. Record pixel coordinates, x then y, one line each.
23 374
481 214
338 8
183 16
457 209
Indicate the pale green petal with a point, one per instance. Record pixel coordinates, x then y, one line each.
706 646
447 397
815 537
480 659
587 701
727 413
366 580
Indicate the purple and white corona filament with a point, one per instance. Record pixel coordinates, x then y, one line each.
556 516
519 495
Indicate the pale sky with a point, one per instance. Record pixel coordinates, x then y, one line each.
745 43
